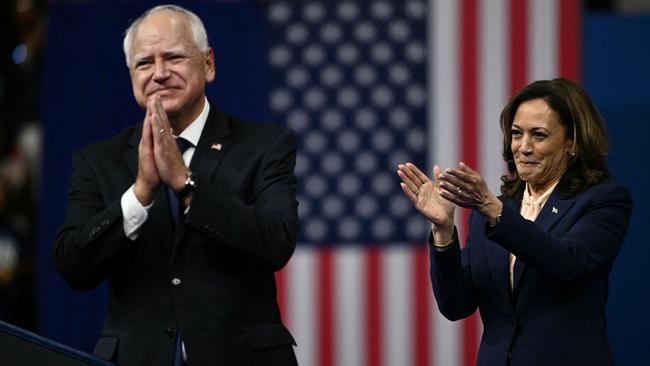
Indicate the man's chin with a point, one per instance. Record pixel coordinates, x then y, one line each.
170 106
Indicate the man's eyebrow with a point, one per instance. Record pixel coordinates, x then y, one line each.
141 56
176 51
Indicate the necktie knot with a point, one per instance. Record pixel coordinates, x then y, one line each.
182 144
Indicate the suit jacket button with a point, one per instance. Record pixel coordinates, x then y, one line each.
176 281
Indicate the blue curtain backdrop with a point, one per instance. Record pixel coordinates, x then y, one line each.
87 97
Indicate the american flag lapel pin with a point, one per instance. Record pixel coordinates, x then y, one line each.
554 210
215 147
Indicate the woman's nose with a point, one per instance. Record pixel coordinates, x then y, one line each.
526 145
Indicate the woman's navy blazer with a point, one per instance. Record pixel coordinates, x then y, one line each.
555 315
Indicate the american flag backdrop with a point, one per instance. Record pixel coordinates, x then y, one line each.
366 85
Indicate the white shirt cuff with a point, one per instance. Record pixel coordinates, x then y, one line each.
134 214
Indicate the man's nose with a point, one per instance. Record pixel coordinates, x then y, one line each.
161 71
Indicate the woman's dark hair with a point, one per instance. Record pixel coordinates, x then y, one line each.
583 124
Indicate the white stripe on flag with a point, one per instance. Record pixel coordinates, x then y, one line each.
397 299
443 78
446 335
492 87
444 119
349 305
302 303
542 39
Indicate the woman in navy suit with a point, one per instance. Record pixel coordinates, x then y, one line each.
537 260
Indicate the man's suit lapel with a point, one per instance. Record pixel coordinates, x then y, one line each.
211 148
212 145
131 152
554 209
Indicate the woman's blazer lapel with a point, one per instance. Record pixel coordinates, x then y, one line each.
554 209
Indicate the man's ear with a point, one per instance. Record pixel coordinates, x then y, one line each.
209 65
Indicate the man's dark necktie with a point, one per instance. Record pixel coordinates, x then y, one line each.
182 145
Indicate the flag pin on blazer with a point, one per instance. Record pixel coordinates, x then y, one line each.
554 210
216 147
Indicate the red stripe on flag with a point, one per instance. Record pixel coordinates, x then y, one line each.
421 295
468 111
570 45
468 98
469 101
373 306
326 306
518 44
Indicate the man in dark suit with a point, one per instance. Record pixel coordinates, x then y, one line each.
188 239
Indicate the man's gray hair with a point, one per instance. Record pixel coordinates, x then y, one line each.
198 30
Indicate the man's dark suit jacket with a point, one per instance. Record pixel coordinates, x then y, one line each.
213 275
556 313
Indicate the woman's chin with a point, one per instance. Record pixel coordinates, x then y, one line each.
524 176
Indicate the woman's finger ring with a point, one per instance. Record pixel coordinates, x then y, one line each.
162 130
459 191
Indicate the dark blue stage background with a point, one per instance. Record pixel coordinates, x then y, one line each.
87 97
616 74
